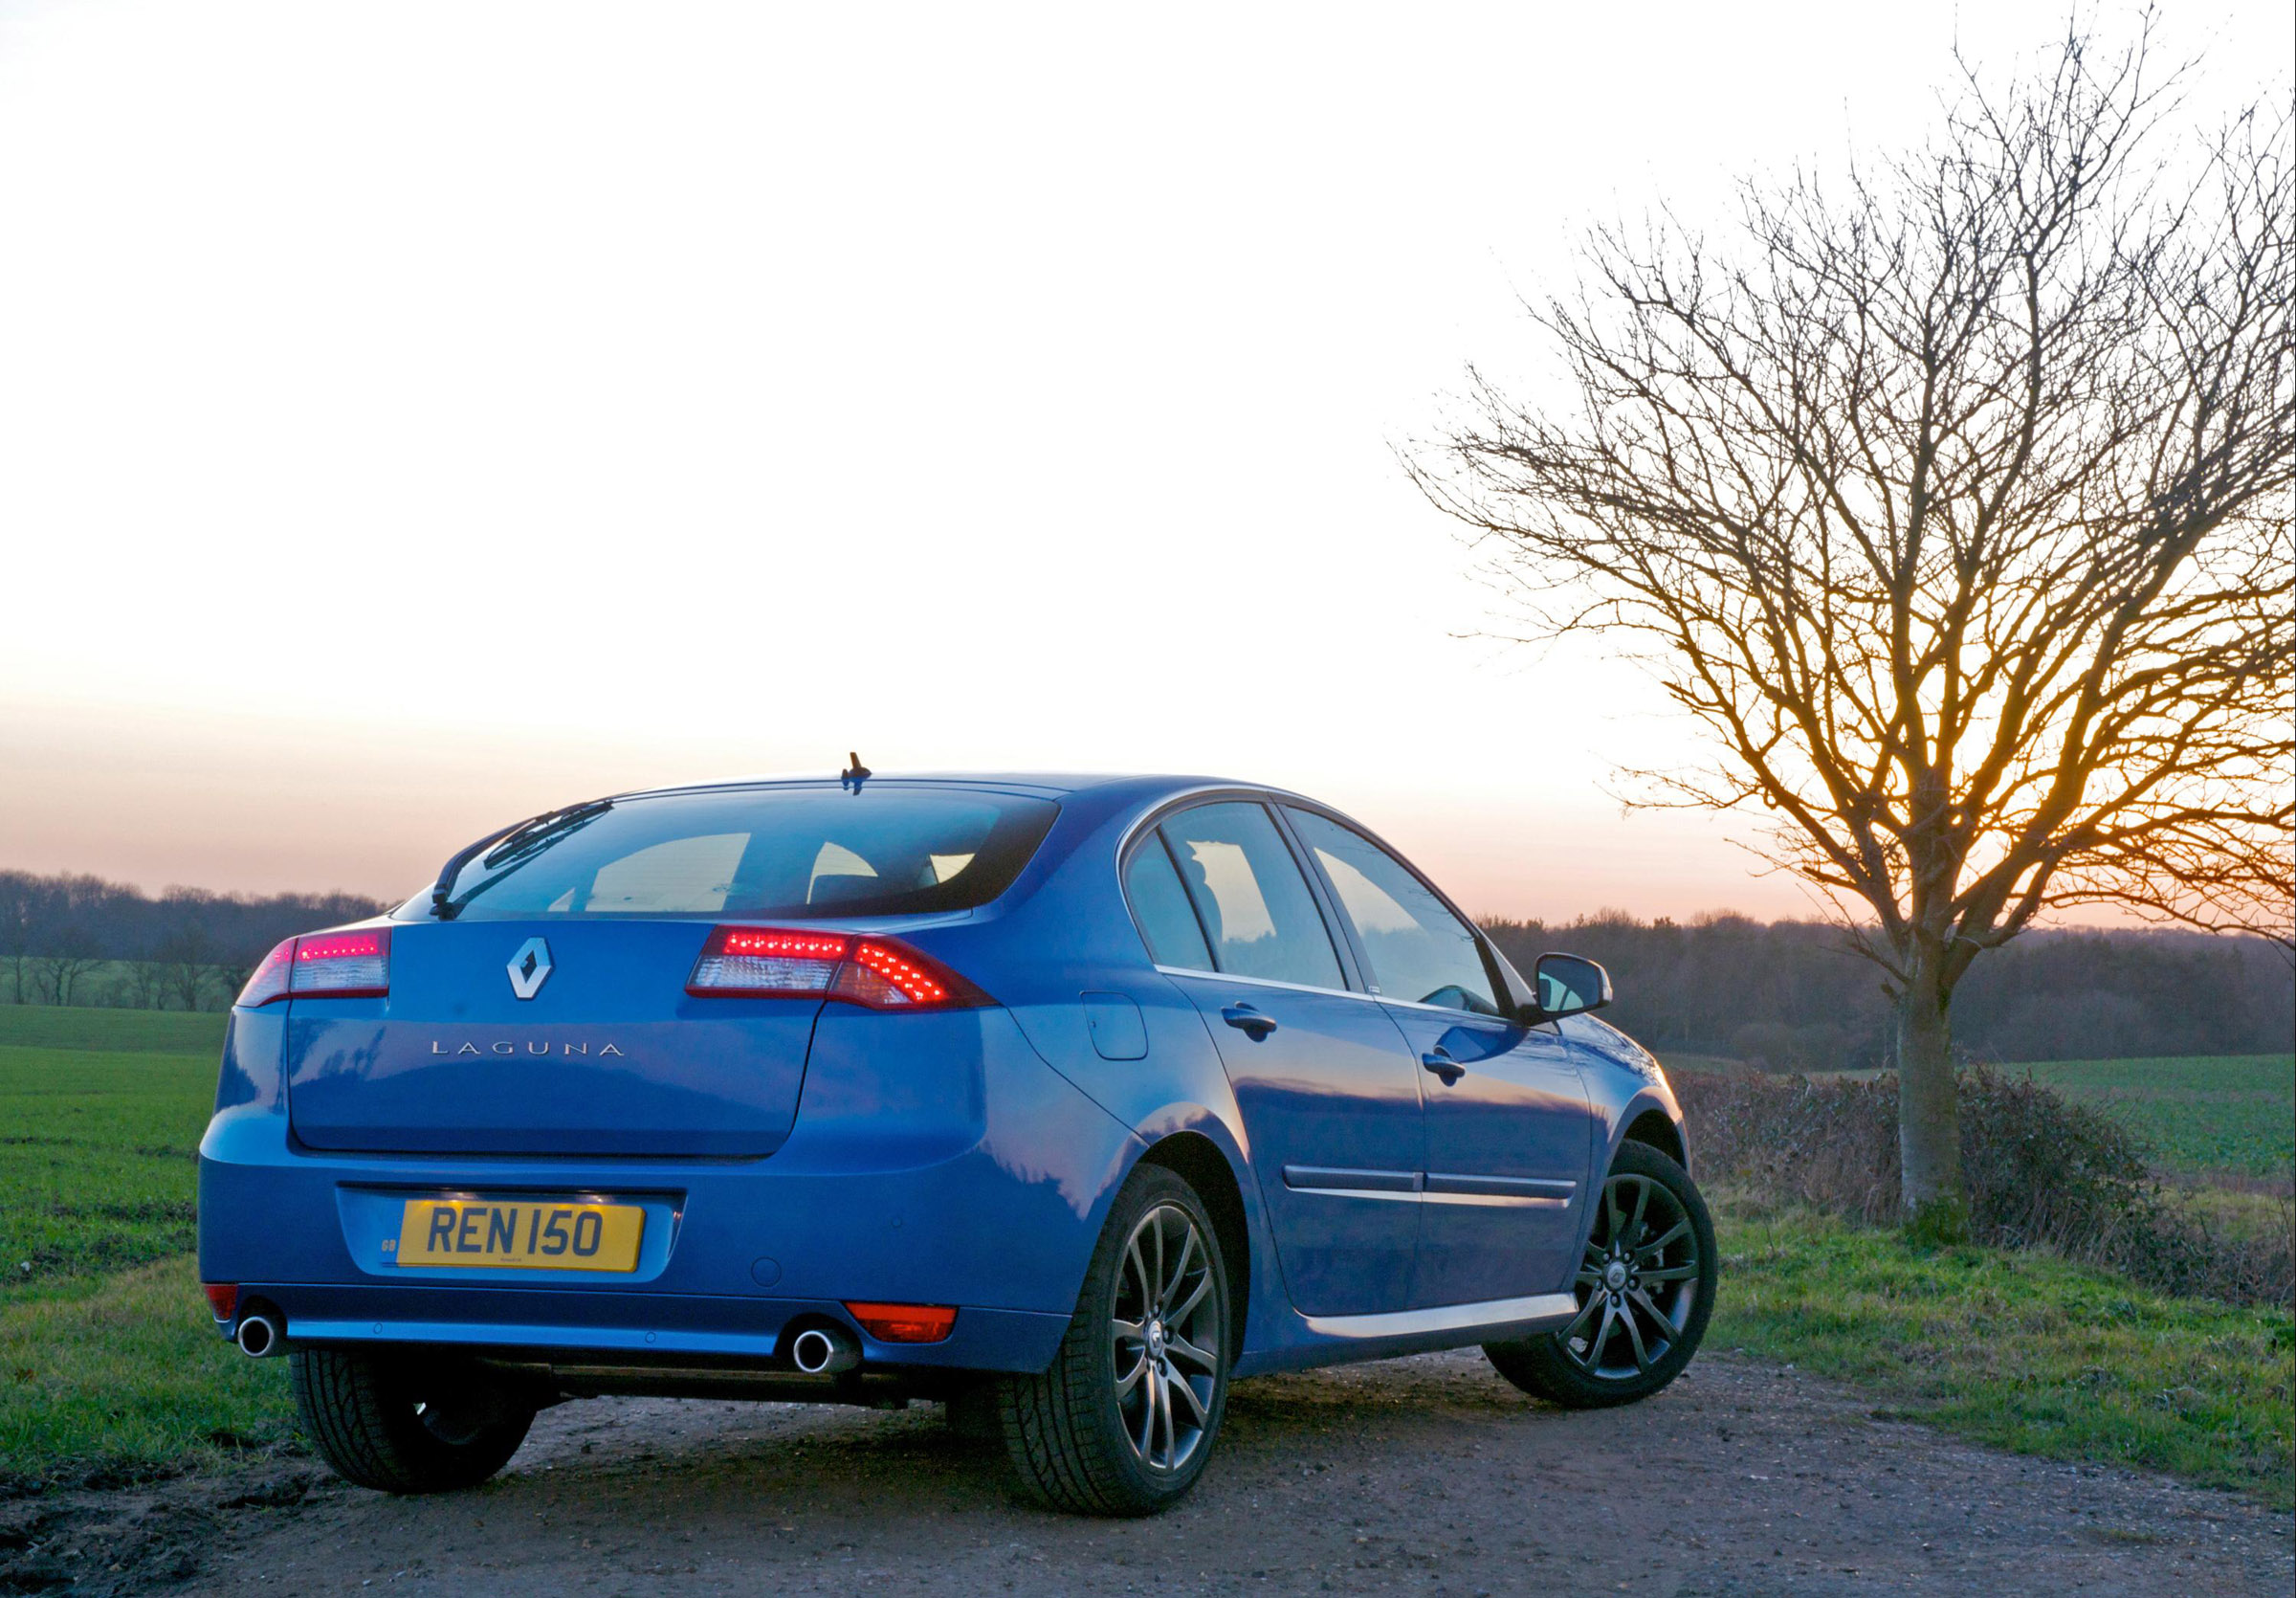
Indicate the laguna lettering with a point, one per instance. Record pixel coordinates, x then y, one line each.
505 1046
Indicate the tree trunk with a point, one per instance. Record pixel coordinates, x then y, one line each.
1929 1117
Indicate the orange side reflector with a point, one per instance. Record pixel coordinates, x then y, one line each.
905 1322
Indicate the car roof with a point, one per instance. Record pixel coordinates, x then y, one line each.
1044 783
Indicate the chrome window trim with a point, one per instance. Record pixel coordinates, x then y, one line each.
1335 993
1447 1010
1171 801
1267 981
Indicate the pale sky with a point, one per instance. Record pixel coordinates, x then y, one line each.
412 416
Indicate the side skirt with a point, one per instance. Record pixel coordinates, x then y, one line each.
1344 1338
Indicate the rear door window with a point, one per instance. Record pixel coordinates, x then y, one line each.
1160 909
780 854
1418 950
1247 890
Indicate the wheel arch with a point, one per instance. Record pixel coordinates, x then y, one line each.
1198 1162
1651 1124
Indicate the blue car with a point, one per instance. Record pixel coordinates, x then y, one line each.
1061 1102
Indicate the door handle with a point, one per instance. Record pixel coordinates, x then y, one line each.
1438 1059
1248 1021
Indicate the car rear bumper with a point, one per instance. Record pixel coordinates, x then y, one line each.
652 1327
996 1217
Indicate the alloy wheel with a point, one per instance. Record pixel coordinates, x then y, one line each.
1164 1334
1638 1283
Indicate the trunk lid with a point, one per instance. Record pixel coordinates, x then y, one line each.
609 1055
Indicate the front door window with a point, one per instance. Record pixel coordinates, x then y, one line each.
1418 950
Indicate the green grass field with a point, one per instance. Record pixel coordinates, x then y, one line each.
101 1111
2017 1350
109 1366
139 1031
2233 1113
121 1378
95 1160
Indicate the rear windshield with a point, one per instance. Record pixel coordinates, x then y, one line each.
785 853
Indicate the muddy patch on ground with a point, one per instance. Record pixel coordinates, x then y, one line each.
144 1537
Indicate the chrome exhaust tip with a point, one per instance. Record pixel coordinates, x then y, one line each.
824 1351
259 1337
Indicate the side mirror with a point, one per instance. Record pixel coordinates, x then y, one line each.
1567 985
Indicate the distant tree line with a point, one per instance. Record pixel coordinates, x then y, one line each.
81 940
1788 996
1791 995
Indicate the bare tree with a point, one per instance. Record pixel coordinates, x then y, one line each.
1952 499
23 906
66 959
227 978
187 957
147 981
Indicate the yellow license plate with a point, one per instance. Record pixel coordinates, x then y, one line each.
521 1236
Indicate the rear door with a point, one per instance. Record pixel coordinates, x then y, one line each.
1510 1134
1328 1097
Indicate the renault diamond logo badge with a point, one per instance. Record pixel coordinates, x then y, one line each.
530 968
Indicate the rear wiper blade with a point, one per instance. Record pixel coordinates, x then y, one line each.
517 839
529 835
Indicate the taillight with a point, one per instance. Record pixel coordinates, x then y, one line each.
269 980
223 1297
777 963
324 966
342 965
905 1322
741 962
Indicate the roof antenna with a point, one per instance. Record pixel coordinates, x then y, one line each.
854 776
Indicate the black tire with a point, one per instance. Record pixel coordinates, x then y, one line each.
1086 1435
1646 1290
407 1424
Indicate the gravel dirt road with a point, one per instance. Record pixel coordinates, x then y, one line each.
1426 1475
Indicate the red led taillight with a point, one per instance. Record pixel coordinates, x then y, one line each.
269 980
342 965
905 1322
324 966
778 963
761 963
883 970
